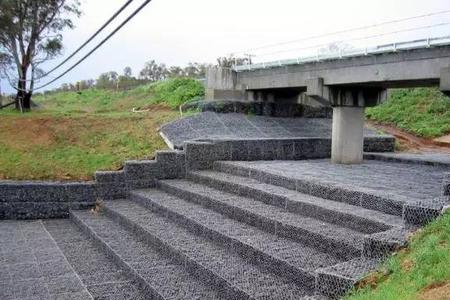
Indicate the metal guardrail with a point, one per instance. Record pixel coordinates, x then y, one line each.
386 48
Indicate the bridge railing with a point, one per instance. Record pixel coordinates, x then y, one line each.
352 52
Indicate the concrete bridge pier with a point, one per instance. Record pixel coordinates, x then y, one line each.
347 135
347 142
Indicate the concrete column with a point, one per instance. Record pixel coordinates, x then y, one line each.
250 96
347 138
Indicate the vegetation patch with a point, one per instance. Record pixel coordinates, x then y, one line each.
177 91
71 135
421 271
171 93
424 112
37 146
92 101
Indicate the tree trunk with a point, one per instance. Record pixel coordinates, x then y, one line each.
27 102
23 98
19 97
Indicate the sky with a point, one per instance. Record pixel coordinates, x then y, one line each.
176 32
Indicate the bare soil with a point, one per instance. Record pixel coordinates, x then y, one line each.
410 142
439 291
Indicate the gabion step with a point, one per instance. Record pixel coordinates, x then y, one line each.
163 277
335 281
340 241
285 257
343 214
103 278
207 259
353 195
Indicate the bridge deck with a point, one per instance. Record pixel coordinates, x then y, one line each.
352 52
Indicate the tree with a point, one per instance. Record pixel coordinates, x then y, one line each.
5 63
30 35
196 70
230 61
85 84
153 71
65 87
107 80
128 72
175 71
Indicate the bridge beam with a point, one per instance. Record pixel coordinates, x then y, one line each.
347 141
316 90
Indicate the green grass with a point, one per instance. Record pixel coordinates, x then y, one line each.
177 91
424 112
421 271
72 135
171 92
45 146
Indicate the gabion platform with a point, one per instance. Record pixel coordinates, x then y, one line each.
293 229
400 182
226 126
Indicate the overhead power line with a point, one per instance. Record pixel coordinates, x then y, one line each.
98 45
344 31
112 18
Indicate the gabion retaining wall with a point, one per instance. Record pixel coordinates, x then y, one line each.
201 154
35 200
31 200
274 109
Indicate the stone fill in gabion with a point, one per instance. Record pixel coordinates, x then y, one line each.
405 182
32 266
290 229
210 125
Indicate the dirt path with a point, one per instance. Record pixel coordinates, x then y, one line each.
411 142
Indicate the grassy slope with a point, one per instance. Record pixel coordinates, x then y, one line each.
72 135
421 271
94 101
44 146
171 93
424 111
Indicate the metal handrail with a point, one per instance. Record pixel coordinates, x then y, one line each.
381 49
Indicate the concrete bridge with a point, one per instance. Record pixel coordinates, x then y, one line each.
348 82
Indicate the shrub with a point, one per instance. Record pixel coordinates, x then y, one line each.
177 91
